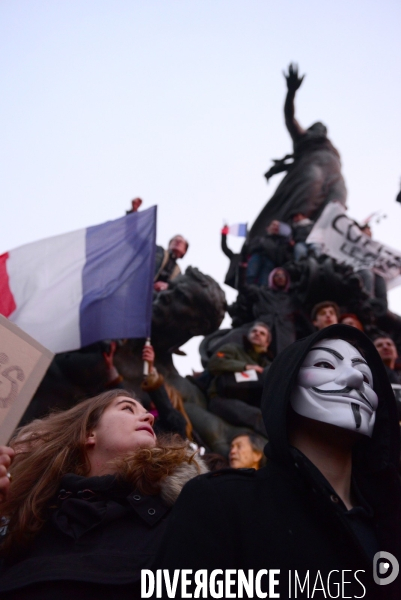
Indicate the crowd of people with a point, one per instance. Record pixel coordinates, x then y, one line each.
93 495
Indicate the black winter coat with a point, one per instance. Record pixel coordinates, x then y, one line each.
98 535
98 531
275 247
286 516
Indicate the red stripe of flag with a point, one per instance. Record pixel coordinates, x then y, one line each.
7 302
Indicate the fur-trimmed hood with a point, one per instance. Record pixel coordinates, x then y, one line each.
162 470
172 484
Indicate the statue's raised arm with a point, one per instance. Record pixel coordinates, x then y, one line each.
294 81
313 177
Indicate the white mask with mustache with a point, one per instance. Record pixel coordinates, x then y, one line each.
335 385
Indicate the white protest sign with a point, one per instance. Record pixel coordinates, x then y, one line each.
23 363
249 375
342 239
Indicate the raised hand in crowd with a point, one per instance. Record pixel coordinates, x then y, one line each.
148 355
113 375
159 286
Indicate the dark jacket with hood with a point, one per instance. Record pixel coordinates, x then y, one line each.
286 516
276 247
275 307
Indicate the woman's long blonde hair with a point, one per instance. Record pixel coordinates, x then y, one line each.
48 448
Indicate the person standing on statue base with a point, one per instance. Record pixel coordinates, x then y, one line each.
166 268
389 354
267 252
325 314
329 498
236 390
301 228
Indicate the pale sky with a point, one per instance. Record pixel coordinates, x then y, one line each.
180 102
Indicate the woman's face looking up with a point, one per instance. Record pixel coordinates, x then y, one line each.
124 427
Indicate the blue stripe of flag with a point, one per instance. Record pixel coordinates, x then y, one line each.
242 230
239 229
118 278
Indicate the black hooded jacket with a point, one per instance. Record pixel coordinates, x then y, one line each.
286 516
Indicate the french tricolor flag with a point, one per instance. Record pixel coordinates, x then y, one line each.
239 229
74 289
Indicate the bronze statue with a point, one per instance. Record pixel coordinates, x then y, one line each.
193 304
313 178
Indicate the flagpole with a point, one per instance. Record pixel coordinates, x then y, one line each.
145 362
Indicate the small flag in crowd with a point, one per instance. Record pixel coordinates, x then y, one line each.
74 289
239 229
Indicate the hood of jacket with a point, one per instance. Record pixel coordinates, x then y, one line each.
270 282
371 454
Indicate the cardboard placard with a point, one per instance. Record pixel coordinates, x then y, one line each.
23 363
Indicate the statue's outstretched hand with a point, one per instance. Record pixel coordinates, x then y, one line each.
293 79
